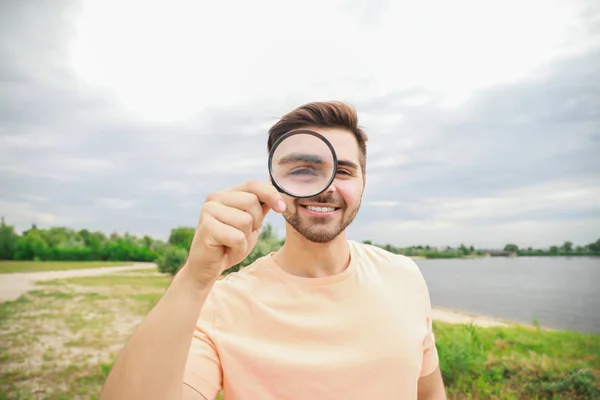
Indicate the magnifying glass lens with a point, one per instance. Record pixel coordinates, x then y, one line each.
303 165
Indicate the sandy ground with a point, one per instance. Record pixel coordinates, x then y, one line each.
14 285
459 317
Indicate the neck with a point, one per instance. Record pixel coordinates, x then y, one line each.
301 257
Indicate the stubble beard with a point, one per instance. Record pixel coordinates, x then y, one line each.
318 229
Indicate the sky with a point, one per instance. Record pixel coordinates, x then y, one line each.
483 116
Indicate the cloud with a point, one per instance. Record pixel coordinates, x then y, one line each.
116 203
478 133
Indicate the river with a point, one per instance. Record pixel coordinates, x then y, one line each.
561 292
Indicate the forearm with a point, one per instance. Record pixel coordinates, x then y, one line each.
431 387
152 364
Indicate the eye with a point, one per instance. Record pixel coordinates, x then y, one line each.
344 172
302 171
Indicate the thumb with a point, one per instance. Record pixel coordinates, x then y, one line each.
265 209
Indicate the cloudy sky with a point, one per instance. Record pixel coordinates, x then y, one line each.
483 116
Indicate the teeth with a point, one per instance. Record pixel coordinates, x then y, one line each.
321 209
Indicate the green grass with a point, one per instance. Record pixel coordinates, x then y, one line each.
518 362
7 267
60 340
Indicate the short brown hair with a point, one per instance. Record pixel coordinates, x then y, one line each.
333 114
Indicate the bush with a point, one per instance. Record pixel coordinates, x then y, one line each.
171 260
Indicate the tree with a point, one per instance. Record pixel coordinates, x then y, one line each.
567 247
463 249
31 246
8 241
267 243
511 247
182 237
594 247
171 260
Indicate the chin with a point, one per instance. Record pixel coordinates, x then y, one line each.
323 235
317 229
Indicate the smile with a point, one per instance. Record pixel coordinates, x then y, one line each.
315 210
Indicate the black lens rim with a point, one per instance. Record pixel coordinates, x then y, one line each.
292 133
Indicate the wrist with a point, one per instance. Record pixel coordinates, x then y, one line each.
191 281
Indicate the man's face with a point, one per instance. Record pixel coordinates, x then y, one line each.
337 206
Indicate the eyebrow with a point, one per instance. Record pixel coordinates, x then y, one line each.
346 163
295 157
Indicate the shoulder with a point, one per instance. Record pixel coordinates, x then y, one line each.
396 269
382 258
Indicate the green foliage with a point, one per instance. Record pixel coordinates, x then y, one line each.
517 362
8 241
64 244
267 242
511 247
566 249
182 237
171 259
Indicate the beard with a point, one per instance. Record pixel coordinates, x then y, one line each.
321 229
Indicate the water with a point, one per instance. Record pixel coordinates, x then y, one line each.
561 292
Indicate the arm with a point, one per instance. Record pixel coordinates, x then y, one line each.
431 387
152 364
430 383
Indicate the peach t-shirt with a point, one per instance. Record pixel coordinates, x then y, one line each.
365 333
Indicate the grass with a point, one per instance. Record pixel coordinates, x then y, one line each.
59 342
518 362
7 267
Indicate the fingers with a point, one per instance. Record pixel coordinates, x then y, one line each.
245 202
265 192
234 217
226 235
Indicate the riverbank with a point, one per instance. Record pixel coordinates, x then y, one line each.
462 317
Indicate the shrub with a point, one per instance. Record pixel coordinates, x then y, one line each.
171 260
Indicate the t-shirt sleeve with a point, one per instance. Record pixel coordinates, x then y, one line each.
430 353
203 367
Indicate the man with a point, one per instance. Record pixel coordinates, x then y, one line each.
322 318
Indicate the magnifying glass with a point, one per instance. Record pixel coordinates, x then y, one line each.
302 163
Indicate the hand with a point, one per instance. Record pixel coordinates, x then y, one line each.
229 227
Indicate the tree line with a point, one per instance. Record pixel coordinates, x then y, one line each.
65 244
426 251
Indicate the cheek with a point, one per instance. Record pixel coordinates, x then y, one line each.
350 190
289 201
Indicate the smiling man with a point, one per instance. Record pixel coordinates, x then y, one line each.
322 318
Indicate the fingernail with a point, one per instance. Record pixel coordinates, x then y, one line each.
281 206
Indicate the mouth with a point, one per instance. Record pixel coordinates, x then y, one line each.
320 210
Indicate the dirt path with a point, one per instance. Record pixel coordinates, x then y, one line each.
14 285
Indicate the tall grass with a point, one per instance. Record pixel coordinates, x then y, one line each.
518 363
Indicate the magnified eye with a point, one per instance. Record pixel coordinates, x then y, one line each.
303 171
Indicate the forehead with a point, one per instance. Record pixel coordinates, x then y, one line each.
343 141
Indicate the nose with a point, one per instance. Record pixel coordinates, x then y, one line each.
332 188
